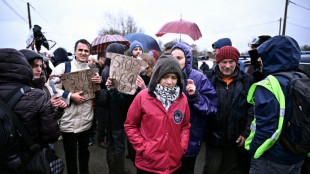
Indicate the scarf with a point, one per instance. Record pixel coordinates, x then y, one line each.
38 82
166 95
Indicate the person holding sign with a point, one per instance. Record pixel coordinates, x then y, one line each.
76 122
202 102
157 121
116 105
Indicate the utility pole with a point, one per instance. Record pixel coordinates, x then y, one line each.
280 26
285 16
29 17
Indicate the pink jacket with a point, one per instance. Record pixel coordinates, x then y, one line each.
159 137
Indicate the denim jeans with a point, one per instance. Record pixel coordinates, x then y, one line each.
265 166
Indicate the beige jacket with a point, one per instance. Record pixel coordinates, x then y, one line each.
77 117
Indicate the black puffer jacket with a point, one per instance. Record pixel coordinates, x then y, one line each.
234 115
34 110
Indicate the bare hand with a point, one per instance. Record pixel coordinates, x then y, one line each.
108 82
57 102
76 97
140 83
240 141
96 79
190 88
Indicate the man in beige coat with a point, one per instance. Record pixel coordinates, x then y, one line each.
77 119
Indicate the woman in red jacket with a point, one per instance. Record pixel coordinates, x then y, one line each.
157 121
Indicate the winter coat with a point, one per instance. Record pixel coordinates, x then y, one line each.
159 140
77 117
34 110
280 53
234 115
202 104
117 103
204 67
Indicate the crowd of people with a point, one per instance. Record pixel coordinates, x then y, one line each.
175 108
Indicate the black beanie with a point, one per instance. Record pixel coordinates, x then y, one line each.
166 63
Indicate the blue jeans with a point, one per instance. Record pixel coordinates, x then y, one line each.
265 166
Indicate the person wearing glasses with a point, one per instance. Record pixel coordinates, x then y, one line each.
76 122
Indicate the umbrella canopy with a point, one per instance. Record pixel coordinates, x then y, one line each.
181 27
148 42
101 43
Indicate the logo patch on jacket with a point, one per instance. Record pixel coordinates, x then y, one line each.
178 116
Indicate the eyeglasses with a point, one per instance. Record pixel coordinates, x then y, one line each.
214 47
81 50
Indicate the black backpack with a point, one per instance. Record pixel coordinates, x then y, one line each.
9 136
295 136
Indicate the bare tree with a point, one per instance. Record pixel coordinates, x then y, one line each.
119 23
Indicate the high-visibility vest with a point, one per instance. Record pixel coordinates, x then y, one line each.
272 84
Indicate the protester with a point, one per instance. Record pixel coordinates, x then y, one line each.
225 42
39 79
60 55
256 70
34 110
278 54
229 127
220 43
116 108
99 110
202 101
168 46
154 53
157 121
204 66
100 62
145 72
92 61
78 116
135 48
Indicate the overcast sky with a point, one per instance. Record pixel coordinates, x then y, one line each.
66 21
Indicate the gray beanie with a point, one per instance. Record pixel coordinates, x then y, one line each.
166 63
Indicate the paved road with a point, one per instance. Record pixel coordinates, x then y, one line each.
98 165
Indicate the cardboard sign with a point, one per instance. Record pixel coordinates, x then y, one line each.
124 71
81 81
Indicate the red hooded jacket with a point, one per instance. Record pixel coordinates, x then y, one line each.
159 137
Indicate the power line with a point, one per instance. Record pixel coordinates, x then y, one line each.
14 11
246 27
52 26
299 5
41 16
299 26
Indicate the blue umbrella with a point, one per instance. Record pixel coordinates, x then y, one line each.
148 42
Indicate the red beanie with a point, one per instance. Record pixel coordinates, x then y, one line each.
227 52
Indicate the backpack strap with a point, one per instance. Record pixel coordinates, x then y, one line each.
7 106
67 70
67 67
15 96
271 84
290 74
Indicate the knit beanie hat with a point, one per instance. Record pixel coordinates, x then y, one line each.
135 44
227 52
165 64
